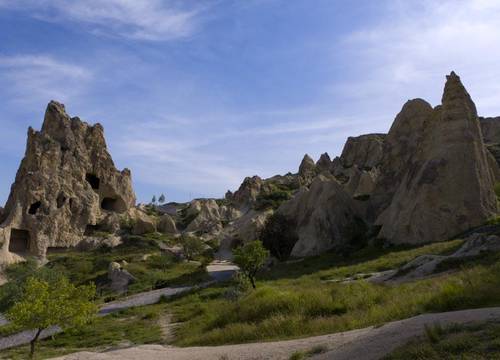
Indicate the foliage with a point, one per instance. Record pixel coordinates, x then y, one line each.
153 200
250 258
192 246
44 304
17 275
161 199
279 236
272 199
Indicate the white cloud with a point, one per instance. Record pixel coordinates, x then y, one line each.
415 44
153 20
40 78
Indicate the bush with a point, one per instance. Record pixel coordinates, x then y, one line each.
279 236
271 200
192 246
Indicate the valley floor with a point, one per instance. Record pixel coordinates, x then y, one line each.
370 343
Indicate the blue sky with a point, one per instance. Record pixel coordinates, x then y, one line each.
196 95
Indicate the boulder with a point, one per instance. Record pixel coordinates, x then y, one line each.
166 225
435 176
119 277
66 183
142 223
426 265
325 215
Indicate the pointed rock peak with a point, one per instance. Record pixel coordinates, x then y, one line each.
456 96
307 159
324 157
324 162
306 166
55 118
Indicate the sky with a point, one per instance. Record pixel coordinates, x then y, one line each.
196 95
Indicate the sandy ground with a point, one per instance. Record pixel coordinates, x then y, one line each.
367 344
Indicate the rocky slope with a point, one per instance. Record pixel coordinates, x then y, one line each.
66 187
430 178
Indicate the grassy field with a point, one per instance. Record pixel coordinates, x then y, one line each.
297 299
481 341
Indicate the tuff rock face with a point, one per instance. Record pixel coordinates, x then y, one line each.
307 170
436 169
364 151
324 214
66 186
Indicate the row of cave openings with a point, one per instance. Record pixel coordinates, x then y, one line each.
107 203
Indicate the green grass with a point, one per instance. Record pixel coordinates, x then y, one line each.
135 326
479 341
293 300
158 270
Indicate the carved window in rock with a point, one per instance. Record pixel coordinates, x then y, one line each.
93 180
19 241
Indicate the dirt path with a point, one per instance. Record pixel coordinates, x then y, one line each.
368 344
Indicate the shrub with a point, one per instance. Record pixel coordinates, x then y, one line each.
279 236
250 258
273 199
192 246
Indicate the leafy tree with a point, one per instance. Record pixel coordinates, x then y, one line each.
250 258
279 236
153 200
45 304
161 199
192 246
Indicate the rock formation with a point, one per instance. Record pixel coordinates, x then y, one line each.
324 164
436 170
325 215
364 151
66 187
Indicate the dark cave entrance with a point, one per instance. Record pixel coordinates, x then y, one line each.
34 208
61 199
112 204
19 241
93 181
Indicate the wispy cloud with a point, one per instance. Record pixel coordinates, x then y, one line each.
417 43
35 78
153 20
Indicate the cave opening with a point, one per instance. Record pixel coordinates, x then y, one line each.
19 241
112 204
61 199
34 208
93 181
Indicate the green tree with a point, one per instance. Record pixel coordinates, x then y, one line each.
153 200
161 199
45 304
250 258
279 236
192 246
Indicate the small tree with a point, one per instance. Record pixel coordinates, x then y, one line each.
44 304
192 246
279 236
153 200
250 258
161 199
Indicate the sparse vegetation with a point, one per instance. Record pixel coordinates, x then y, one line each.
192 246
